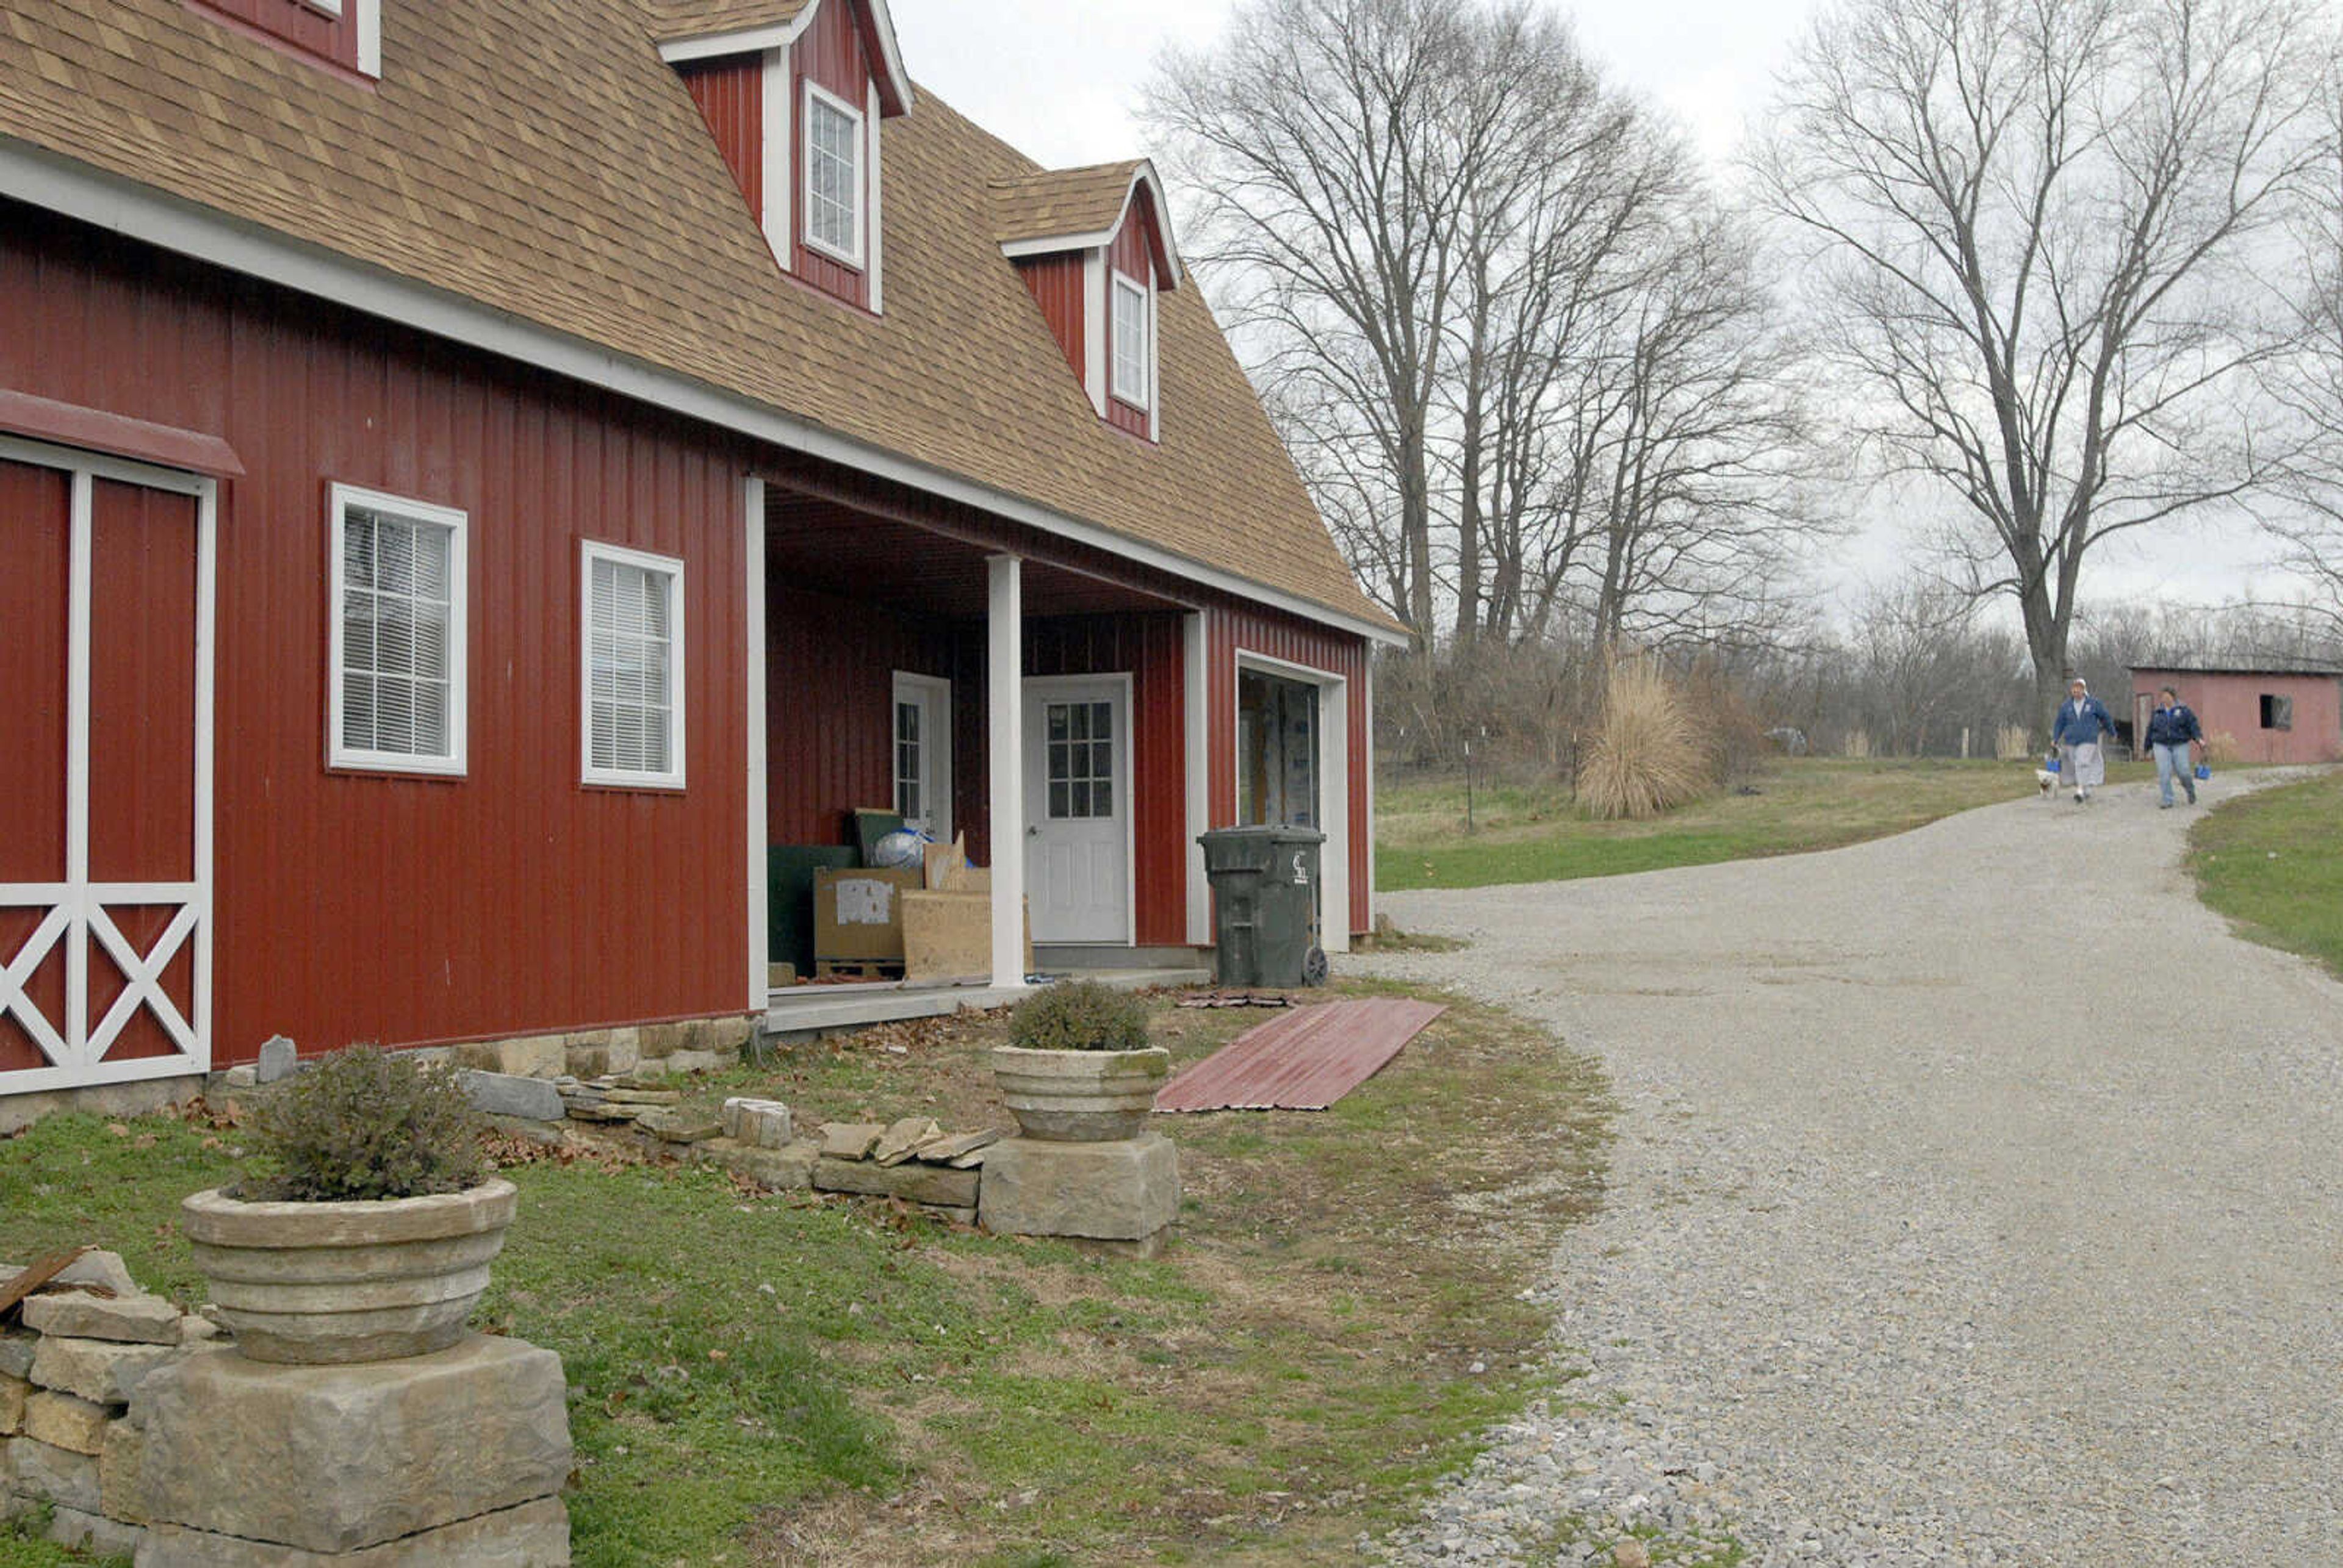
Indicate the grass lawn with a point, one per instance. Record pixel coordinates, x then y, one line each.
2273 862
1537 833
790 1378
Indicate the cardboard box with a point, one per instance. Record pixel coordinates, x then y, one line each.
947 936
943 862
858 915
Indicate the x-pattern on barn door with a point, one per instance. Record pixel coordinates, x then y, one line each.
105 598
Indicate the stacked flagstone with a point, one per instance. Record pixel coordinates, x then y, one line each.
89 1340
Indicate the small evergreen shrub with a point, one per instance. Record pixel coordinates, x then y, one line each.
1080 1015
367 1123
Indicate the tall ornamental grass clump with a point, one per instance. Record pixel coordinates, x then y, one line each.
1648 756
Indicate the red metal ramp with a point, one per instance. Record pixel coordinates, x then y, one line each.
1304 1061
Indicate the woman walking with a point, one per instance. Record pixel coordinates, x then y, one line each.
2171 729
2082 720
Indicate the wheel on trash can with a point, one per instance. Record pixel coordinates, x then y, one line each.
1314 966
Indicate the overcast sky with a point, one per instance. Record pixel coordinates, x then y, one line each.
1059 80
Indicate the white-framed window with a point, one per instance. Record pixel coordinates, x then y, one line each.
395 635
833 176
631 640
1132 378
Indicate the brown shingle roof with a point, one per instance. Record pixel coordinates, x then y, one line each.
541 160
671 19
1050 203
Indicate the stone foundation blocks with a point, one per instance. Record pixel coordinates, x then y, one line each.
1124 1192
533 1535
335 1463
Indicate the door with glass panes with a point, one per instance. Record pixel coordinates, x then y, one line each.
1078 809
922 753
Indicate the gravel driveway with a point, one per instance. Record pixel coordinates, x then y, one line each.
1974 1201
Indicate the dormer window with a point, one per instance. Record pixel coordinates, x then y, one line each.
1094 248
1134 343
795 105
834 182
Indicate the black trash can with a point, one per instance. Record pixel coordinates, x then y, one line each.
1265 901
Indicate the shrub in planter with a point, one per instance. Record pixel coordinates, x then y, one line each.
1080 1069
1080 1015
371 1236
367 1123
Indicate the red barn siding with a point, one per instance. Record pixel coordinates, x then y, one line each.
34 528
730 93
1056 284
829 697
831 54
142 718
359 905
1132 254
308 30
1232 629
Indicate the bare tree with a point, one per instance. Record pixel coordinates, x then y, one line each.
2037 230
2308 383
1695 437
1329 149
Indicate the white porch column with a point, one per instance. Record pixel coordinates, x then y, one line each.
1004 702
752 552
1199 741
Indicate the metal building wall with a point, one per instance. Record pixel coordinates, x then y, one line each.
405 910
1056 284
730 93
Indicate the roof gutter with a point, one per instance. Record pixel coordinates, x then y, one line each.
138 212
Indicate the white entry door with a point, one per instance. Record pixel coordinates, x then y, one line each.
1078 807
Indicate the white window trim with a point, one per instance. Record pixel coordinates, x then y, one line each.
326 7
780 158
875 226
454 765
816 92
935 749
1119 285
589 552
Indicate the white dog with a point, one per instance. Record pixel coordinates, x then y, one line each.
2045 781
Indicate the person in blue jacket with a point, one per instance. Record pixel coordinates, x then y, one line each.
2171 731
2083 721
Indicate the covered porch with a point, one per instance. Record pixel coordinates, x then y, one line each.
1026 694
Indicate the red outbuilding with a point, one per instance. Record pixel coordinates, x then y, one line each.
475 478
2267 716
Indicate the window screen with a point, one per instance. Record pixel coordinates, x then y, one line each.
633 710
398 633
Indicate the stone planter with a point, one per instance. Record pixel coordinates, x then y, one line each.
1079 1096
317 1284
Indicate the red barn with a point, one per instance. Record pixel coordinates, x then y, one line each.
2262 715
473 478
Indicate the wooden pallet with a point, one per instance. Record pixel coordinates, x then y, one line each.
858 969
